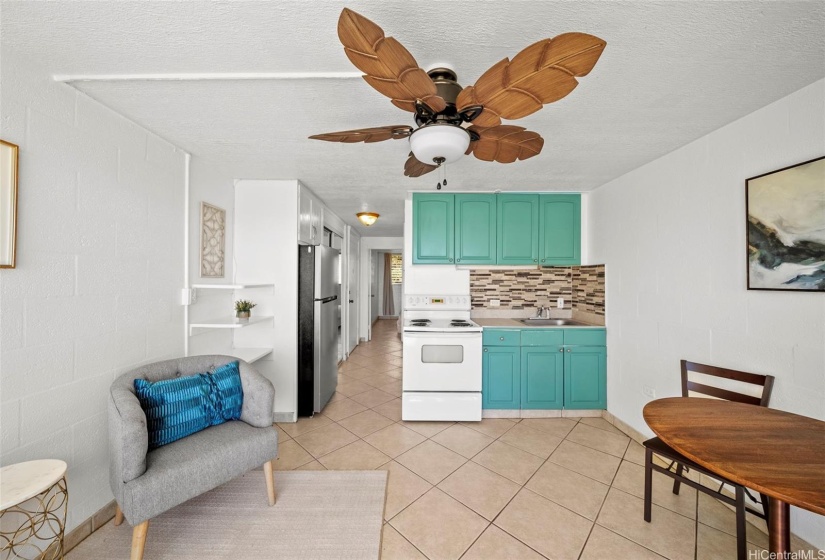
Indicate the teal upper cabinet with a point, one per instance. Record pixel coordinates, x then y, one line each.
433 228
560 237
508 229
475 229
518 229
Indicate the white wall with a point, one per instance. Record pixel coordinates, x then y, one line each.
99 265
215 186
672 234
266 249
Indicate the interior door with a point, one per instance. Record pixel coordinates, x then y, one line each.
376 259
353 265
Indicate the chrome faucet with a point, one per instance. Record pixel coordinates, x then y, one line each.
540 312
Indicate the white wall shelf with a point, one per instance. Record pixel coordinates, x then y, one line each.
230 286
250 355
227 323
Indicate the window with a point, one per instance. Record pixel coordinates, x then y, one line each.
396 268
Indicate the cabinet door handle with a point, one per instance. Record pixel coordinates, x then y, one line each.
561 349
451 260
485 349
569 349
458 260
501 338
535 260
542 260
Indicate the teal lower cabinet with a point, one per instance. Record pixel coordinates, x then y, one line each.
585 377
542 378
501 377
544 369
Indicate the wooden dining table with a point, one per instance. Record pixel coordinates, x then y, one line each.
777 453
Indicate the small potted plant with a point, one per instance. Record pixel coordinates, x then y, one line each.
242 309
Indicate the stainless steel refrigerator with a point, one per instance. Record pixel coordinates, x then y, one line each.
319 326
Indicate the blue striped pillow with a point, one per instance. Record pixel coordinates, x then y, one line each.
176 408
227 393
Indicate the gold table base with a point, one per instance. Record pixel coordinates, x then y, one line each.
39 532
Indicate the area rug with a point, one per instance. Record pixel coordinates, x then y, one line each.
319 515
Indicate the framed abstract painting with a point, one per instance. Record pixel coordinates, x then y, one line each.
786 228
8 203
213 241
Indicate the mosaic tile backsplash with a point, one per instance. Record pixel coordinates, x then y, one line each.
582 287
588 288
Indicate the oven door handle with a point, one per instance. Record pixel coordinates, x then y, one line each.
446 336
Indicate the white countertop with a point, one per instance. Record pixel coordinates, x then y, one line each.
505 323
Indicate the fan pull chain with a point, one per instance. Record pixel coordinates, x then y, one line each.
439 161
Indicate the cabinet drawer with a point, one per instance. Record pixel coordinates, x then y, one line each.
585 337
501 337
542 337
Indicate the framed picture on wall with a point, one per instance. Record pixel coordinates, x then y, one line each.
8 203
786 228
213 241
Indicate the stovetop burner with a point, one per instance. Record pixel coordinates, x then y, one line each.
420 322
459 323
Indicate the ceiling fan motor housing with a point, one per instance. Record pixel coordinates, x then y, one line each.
439 140
445 83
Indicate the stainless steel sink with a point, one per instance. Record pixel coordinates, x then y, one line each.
552 322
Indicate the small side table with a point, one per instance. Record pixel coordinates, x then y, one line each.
41 522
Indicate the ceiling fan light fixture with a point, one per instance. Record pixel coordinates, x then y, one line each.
367 218
433 141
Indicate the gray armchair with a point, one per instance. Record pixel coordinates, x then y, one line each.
147 483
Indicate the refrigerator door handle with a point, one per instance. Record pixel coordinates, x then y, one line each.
327 299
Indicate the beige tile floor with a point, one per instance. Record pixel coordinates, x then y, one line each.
501 489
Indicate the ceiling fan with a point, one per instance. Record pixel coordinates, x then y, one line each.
542 73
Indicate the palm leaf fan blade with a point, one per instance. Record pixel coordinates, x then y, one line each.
387 65
542 73
367 135
415 168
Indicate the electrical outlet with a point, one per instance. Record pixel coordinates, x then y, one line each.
495 303
560 303
187 296
649 391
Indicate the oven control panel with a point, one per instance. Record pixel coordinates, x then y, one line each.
447 303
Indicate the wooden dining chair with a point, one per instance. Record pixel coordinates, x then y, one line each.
679 464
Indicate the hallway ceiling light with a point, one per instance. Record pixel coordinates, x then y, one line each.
367 218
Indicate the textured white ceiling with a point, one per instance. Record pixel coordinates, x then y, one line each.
672 72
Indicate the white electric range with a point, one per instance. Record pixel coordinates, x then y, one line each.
442 359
